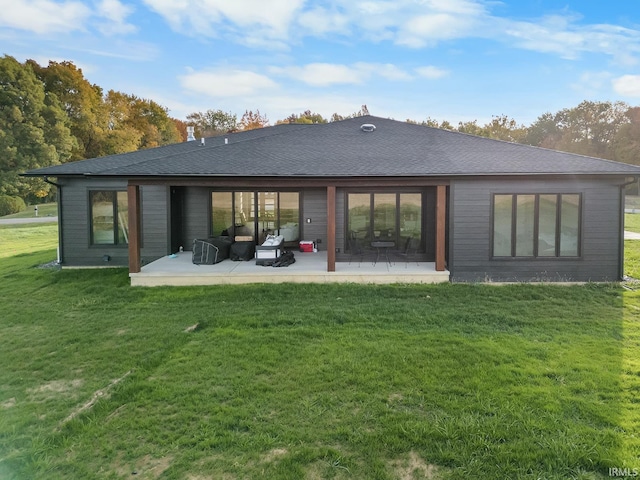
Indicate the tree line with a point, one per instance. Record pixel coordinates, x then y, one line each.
52 114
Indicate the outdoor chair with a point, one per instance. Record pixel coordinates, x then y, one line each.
357 249
410 251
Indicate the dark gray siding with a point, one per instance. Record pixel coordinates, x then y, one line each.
154 201
470 232
196 222
314 207
76 248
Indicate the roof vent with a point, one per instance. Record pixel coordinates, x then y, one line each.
190 135
367 127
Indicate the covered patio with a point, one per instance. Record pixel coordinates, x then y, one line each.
178 269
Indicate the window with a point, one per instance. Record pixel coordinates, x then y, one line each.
393 217
536 225
247 213
109 218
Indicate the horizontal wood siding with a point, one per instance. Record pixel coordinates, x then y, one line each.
314 206
76 248
155 203
196 222
470 233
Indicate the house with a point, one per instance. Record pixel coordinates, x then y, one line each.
481 209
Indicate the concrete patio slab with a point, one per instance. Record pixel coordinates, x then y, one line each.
308 268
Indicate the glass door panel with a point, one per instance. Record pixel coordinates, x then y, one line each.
267 214
410 217
359 215
245 216
289 208
222 213
384 216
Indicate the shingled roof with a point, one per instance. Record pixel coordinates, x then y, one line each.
342 149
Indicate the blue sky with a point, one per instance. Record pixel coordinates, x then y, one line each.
456 60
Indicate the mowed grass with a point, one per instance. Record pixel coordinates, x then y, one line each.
44 210
101 380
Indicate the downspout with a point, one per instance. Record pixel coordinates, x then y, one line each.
621 247
59 198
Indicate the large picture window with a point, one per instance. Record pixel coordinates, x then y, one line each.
536 225
109 218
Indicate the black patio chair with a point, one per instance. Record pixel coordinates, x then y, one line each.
357 249
410 251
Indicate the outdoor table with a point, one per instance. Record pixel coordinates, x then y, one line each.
384 246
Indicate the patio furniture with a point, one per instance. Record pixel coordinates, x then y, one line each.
270 250
410 251
210 251
242 251
383 246
356 248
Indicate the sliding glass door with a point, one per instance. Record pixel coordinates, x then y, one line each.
256 214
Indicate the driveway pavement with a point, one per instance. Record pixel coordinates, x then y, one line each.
14 221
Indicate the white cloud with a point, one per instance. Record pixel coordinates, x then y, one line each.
627 85
327 74
54 16
431 72
116 14
44 16
410 23
565 37
320 21
225 82
248 21
322 74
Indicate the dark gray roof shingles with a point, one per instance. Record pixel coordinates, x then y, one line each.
342 149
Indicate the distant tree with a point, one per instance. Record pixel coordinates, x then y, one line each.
505 128
591 127
626 144
153 121
544 132
306 117
34 130
82 102
120 135
252 121
430 122
212 122
472 128
181 127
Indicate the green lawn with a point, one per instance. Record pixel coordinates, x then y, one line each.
101 380
632 222
44 210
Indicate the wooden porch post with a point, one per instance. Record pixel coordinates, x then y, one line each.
331 228
133 207
441 212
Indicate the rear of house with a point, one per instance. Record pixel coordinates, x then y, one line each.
482 209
